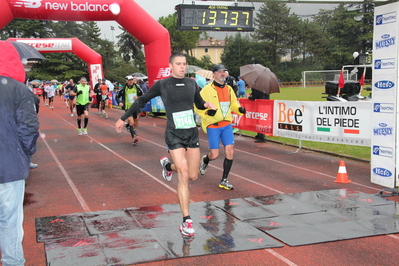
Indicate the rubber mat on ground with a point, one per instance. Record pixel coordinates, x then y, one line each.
138 235
145 234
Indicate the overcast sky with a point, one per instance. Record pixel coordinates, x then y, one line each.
164 8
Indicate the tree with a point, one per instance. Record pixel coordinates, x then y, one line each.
129 46
241 51
273 25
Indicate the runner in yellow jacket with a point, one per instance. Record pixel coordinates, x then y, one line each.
217 123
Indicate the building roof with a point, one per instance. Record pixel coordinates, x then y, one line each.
211 42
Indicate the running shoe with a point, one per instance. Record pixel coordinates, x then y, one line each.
203 166
167 175
33 165
80 132
226 184
106 115
84 130
135 132
186 228
135 140
71 115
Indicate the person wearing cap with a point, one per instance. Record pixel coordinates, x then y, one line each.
217 124
82 93
179 94
125 98
241 88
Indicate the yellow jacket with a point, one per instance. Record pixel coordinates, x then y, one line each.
209 94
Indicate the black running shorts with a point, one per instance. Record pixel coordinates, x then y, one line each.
182 138
80 109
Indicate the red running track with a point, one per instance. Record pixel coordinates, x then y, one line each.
104 171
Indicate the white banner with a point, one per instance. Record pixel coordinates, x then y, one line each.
385 85
333 122
49 45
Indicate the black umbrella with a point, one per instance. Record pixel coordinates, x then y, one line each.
27 52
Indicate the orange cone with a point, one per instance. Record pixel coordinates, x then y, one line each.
342 176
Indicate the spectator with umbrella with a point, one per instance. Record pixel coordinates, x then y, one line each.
263 82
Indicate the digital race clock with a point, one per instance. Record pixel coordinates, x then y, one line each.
214 18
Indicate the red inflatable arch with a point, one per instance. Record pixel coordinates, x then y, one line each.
74 45
127 13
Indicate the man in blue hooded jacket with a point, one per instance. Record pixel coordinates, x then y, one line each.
18 133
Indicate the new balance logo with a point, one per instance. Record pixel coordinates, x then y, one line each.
28 3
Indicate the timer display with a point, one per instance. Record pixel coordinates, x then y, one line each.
214 18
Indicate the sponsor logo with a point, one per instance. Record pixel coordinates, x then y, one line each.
382 172
385 41
28 3
50 45
163 73
382 151
388 63
385 18
386 108
384 84
383 130
69 6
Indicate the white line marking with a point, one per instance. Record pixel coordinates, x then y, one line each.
284 259
70 182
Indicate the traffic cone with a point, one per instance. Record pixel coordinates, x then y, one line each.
342 176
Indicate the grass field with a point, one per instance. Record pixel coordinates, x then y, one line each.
315 94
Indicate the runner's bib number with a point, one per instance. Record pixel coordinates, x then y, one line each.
224 106
184 119
131 97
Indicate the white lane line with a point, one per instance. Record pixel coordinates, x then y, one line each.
284 259
70 182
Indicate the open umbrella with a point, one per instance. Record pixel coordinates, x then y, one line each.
260 78
192 69
205 73
139 76
27 52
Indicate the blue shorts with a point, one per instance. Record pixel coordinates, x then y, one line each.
224 134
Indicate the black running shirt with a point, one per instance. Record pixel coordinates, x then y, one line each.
178 95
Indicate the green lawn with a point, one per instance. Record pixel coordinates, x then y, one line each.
315 94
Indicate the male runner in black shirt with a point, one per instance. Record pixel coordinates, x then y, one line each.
178 94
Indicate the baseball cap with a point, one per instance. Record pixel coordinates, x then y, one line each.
218 67
129 77
103 79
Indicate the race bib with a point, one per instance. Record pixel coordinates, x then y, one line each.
130 97
184 119
224 106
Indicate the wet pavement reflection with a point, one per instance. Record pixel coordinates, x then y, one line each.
145 234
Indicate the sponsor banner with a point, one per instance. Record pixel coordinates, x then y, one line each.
385 79
332 122
77 9
258 118
51 45
157 105
96 73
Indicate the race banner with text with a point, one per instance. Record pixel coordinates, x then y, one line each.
333 122
258 118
